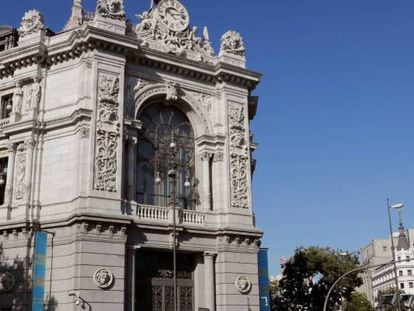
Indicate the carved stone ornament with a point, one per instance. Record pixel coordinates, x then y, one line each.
239 157
232 43
172 91
168 24
243 284
32 95
32 22
7 281
18 98
107 133
173 15
239 181
20 172
103 278
113 9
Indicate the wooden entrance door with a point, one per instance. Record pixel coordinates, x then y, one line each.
154 281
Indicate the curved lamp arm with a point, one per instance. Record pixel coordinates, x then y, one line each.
325 305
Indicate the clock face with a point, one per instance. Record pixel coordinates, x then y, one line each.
173 15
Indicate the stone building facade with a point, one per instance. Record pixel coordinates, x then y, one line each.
383 278
123 140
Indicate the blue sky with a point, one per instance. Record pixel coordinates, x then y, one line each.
335 125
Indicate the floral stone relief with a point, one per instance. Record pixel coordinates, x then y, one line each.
107 133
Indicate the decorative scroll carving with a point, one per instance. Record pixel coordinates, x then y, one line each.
238 157
236 115
107 133
232 43
113 9
32 22
20 171
103 278
239 185
7 281
243 284
168 24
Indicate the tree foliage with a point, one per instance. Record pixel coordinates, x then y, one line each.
309 274
358 302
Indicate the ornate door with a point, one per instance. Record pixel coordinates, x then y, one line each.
163 295
154 282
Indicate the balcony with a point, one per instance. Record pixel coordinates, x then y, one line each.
165 215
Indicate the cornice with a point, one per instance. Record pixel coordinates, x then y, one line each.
89 38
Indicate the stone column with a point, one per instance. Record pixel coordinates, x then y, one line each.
130 278
209 280
131 162
205 158
10 173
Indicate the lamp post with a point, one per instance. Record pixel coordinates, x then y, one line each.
398 207
173 164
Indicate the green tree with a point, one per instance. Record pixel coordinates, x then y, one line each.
274 292
309 274
358 302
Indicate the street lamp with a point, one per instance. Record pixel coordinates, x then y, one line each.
398 207
365 267
173 163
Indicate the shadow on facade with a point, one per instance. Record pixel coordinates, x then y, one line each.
16 285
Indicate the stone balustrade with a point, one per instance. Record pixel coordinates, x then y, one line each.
4 122
193 217
165 214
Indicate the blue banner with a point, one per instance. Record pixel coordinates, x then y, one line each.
264 280
39 271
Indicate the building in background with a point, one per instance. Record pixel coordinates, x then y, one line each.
123 142
380 252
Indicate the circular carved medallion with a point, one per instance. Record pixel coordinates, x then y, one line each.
243 284
173 15
103 278
7 282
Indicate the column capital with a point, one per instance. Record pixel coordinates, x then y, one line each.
210 254
30 142
11 147
218 157
206 156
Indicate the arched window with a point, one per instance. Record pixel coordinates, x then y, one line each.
162 125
